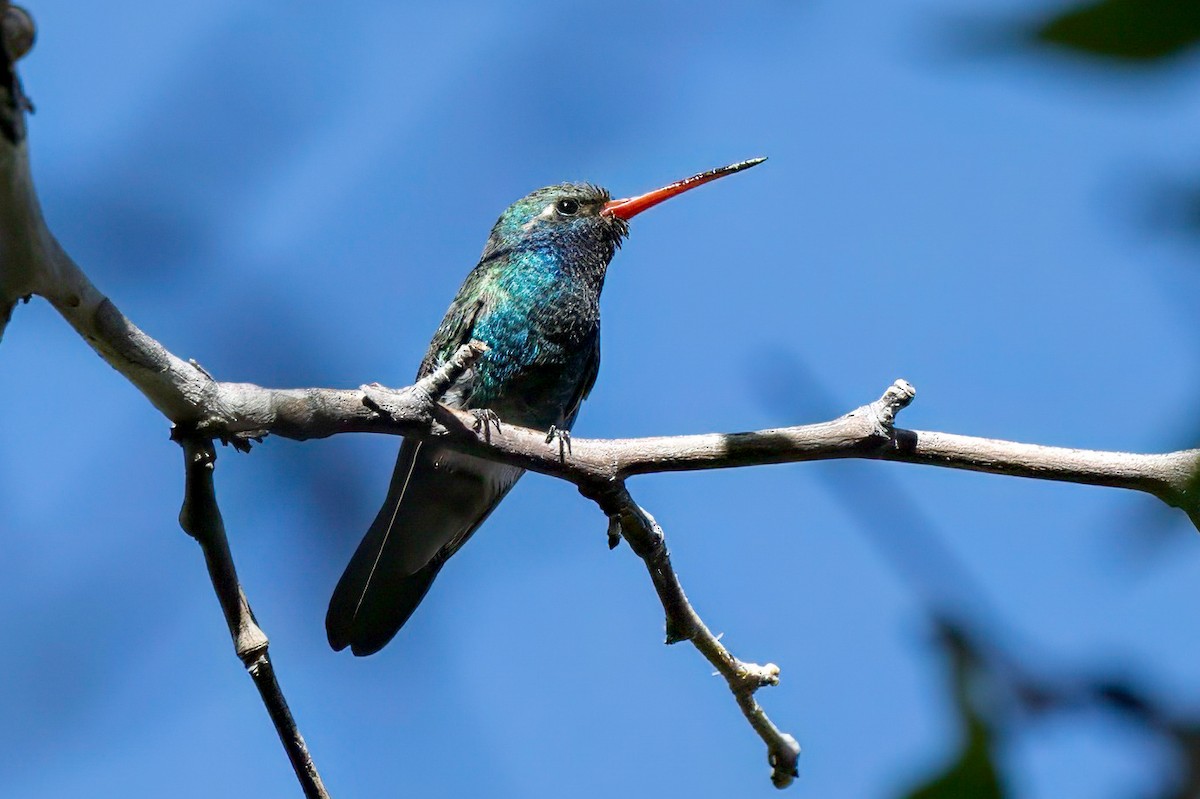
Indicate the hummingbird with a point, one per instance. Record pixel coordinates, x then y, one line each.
534 300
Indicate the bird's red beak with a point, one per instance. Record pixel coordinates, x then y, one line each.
632 206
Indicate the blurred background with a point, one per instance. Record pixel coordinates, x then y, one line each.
999 202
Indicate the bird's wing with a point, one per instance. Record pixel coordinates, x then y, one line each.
437 498
591 368
458 323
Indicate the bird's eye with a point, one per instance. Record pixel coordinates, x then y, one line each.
567 207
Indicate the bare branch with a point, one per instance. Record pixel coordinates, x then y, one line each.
201 519
646 539
1168 476
865 432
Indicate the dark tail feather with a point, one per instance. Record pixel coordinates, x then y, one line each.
436 500
377 622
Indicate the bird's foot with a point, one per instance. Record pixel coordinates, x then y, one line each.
484 419
564 440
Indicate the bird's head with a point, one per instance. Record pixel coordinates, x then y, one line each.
581 220
564 217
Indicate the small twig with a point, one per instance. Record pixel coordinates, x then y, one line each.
630 521
230 408
646 539
416 403
438 382
201 519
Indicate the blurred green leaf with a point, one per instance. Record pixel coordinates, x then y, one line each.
973 773
1132 29
972 776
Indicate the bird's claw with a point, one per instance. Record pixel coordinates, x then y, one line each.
484 419
564 440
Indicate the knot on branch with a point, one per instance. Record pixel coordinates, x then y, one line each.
879 418
397 404
749 677
251 644
898 396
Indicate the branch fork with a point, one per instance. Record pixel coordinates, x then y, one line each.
200 517
416 403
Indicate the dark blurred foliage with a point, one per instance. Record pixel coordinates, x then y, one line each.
1138 30
996 698
1139 34
973 771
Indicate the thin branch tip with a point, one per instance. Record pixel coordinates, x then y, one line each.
647 540
900 394
784 757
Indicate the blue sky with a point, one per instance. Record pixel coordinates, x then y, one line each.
291 194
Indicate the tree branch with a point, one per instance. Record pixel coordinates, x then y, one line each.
201 519
865 432
648 542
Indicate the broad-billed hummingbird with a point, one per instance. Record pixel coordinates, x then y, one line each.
534 299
